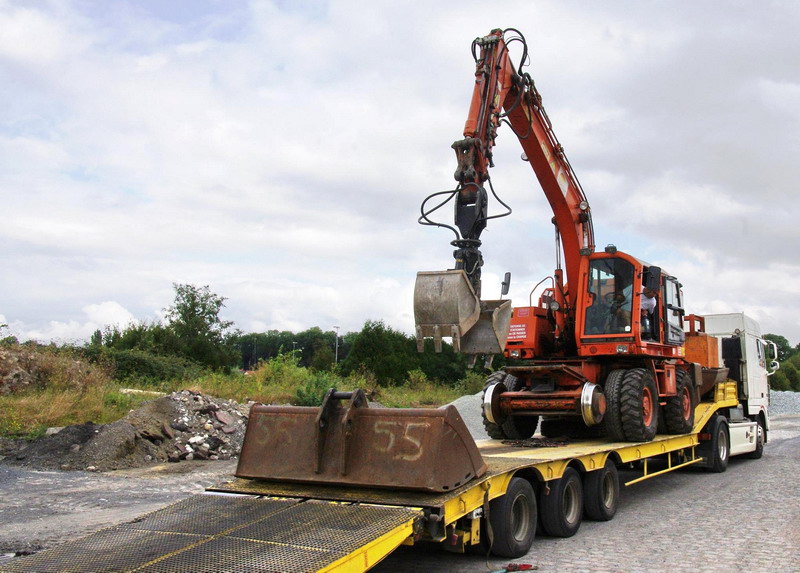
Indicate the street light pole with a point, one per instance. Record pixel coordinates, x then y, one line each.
336 358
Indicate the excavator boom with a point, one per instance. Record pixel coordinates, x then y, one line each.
501 94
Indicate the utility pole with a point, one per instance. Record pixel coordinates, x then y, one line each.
336 358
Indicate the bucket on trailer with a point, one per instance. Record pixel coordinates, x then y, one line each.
419 449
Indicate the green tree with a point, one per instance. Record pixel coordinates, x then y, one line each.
388 354
785 349
203 336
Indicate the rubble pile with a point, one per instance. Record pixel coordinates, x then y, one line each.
183 426
17 370
206 428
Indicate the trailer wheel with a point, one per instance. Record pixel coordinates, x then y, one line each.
601 492
612 422
512 427
513 519
679 409
761 437
639 405
562 508
720 446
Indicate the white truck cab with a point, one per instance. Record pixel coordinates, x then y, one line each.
744 352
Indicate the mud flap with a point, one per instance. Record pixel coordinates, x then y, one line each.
419 449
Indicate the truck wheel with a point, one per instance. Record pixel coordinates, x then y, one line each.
513 427
761 437
513 519
720 447
612 422
639 405
562 508
679 409
601 492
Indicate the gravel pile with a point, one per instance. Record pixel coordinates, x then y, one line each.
781 403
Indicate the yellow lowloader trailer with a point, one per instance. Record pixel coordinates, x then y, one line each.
329 521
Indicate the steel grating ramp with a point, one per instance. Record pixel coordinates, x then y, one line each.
216 533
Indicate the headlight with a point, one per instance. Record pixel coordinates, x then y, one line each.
554 306
622 348
514 354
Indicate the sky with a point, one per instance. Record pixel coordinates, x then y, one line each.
278 152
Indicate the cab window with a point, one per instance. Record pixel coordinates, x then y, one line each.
610 292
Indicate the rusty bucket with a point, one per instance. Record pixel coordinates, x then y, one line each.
355 445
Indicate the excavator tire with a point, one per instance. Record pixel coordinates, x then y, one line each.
679 409
612 421
513 427
639 411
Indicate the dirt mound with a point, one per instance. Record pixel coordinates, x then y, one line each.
182 426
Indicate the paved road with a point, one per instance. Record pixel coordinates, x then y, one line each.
746 519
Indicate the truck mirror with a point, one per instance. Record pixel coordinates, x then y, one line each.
504 286
653 279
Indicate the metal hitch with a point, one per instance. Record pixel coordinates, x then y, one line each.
358 445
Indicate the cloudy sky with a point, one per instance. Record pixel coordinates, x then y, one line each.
278 151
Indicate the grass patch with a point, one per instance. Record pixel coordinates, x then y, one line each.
69 391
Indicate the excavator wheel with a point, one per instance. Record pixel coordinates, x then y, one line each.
679 409
638 406
513 427
612 421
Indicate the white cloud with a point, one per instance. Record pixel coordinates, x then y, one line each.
279 152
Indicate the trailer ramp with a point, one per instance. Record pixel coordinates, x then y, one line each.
213 533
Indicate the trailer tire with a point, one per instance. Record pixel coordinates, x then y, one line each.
761 438
639 411
601 492
512 517
561 510
513 427
612 422
720 446
679 409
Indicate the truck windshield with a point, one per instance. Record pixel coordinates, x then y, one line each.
611 296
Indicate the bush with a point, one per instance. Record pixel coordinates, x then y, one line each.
149 369
313 391
472 383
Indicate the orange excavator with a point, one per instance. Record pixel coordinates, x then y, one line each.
602 348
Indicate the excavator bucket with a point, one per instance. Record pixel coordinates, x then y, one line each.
355 445
489 334
445 305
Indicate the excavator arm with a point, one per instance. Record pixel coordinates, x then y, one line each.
501 95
